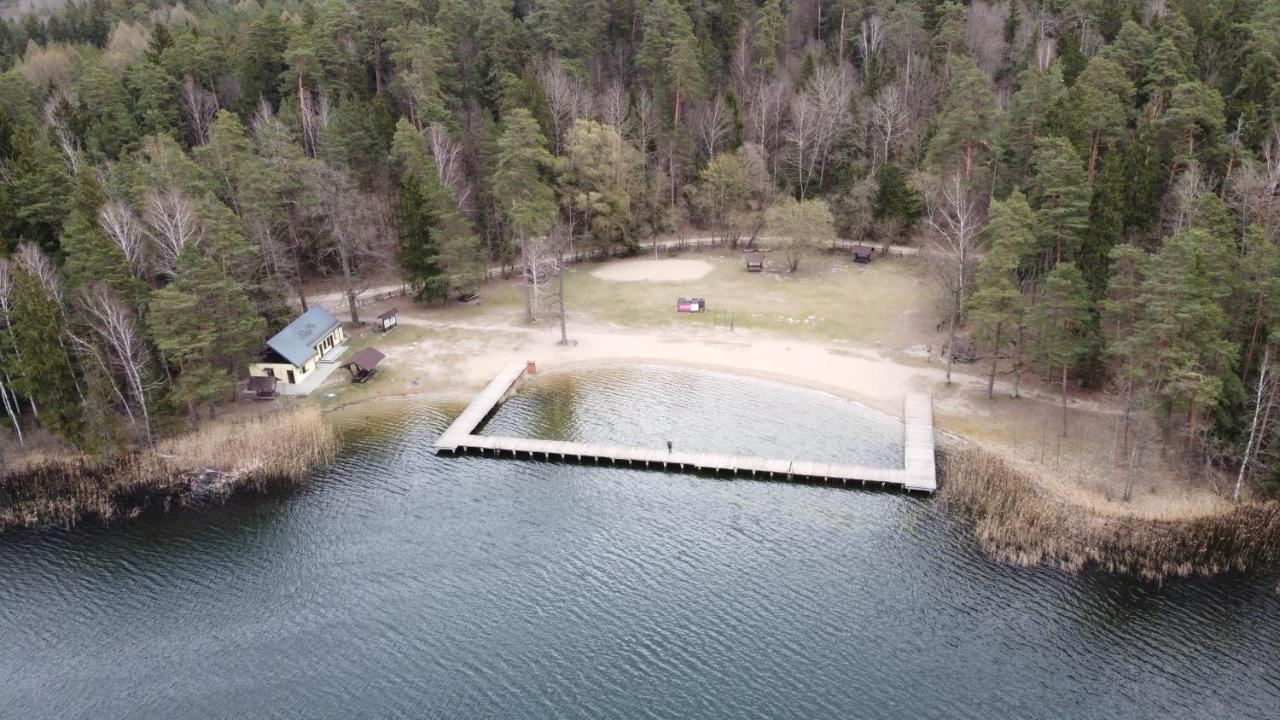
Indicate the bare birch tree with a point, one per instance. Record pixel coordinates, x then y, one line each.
613 108
122 226
11 405
199 108
60 127
952 214
768 116
116 328
451 166
172 224
568 99
887 120
711 124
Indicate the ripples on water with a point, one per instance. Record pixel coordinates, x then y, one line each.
399 584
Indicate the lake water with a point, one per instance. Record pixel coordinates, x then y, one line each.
400 584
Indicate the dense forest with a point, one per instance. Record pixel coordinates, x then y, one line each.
1097 179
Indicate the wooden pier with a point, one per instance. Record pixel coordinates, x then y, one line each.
917 474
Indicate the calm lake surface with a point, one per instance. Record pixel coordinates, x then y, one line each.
399 584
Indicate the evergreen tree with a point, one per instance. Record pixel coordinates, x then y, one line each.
1061 322
997 303
1096 110
418 254
36 362
1030 113
521 187
967 129
1060 192
767 42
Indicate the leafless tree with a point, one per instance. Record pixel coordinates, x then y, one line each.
768 116
60 127
984 32
32 259
450 165
1253 190
11 404
711 124
172 224
568 99
887 119
352 217
647 123
1264 381
117 331
199 108
740 61
122 226
819 117
953 216
1189 187
613 108
908 40
871 34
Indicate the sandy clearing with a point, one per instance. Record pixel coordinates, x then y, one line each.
673 270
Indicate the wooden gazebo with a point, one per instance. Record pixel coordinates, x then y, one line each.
364 364
755 261
862 253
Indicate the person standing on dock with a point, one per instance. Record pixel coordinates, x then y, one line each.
668 447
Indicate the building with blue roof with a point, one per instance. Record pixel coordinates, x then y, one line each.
294 353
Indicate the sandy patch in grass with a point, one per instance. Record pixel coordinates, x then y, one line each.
653 270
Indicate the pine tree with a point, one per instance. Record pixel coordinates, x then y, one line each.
1030 113
435 234
997 303
1061 322
521 188
768 39
418 254
1180 342
37 363
1060 193
1121 313
969 125
90 255
1096 110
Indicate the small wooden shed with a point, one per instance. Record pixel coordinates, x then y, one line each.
364 364
755 261
387 320
862 253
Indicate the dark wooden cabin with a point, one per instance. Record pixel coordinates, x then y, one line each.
755 261
862 253
262 388
364 364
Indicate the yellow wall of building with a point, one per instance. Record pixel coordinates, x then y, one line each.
281 369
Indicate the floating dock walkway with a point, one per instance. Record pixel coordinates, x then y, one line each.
918 473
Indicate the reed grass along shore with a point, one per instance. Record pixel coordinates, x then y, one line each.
219 459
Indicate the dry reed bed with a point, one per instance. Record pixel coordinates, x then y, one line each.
220 458
1017 524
